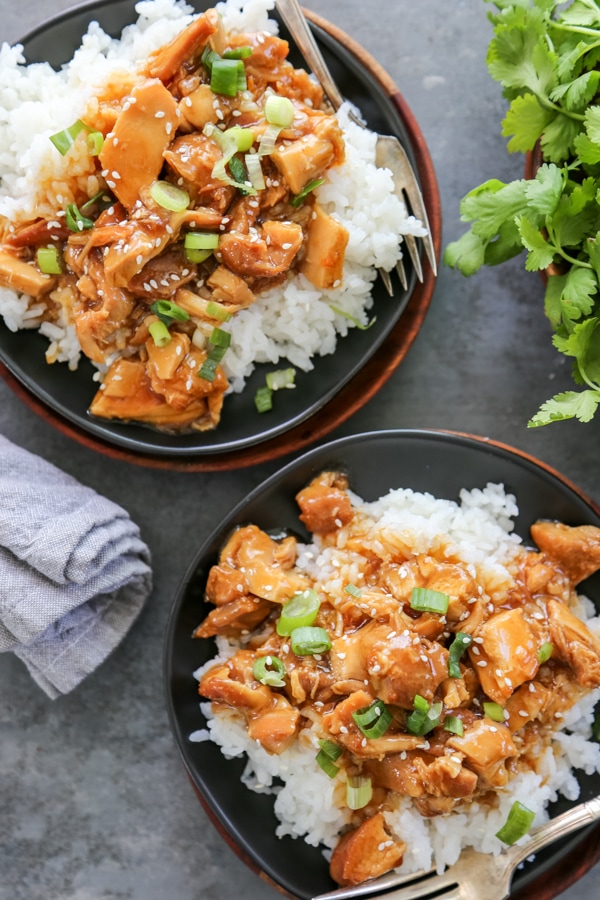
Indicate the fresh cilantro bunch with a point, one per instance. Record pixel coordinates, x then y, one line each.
546 55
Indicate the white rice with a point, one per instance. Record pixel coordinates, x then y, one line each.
479 530
294 321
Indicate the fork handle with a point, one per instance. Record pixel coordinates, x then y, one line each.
291 13
559 827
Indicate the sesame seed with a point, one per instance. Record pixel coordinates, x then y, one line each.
160 114
523 714
482 663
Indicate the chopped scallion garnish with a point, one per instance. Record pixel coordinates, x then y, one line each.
457 648
49 261
326 757
167 311
227 76
255 172
308 640
427 600
306 190
454 725
269 670
425 716
263 399
169 196
95 142
244 137
545 652
279 110
373 720
237 52
359 791
199 245
159 333
218 343
519 821
356 322
301 610
353 590
217 311
220 338
281 378
493 711
268 139
64 140
75 219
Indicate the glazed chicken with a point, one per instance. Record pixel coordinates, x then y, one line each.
204 201
461 697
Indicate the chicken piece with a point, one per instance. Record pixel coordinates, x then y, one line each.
301 161
401 665
230 288
193 157
575 549
126 393
276 727
418 773
232 683
366 852
347 663
307 682
240 615
101 313
574 644
41 231
265 253
486 746
163 275
507 655
172 370
325 505
264 564
184 47
19 275
526 705
198 107
269 54
225 584
323 262
133 156
342 727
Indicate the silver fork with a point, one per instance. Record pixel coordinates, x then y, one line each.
464 880
389 151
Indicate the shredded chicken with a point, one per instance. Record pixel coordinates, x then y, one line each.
529 660
123 250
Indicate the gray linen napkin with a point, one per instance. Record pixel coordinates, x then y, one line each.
74 572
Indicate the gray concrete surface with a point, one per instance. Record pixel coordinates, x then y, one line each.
94 802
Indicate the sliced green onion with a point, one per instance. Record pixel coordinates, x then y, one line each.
356 322
308 640
160 333
95 142
373 720
327 756
201 240
279 111
306 190
454 725
330 749
169 196
240 175
101 196
545 652
301 610
281 378
198 256
220 338
227 76
359 791
208 57
263 399
421 721
75 220
167 311
217 311
457 648
269 670
49 261
267 140
64 140
519 821
244 137
427 600
493 711
237 52
255 172
353 590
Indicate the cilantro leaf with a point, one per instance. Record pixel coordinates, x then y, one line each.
524 123
541 253
577 94
578 293
558 138
544 191
552 297
587 151
466 254
567 405
488 209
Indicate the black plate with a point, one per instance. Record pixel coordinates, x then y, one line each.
69 394
438 462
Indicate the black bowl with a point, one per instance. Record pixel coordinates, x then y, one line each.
441 463
66 396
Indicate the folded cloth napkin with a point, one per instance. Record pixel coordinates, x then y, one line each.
74 572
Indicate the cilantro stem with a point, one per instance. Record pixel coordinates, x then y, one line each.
546 103
575 29
558 249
